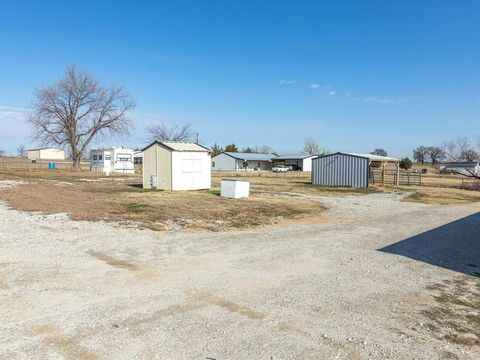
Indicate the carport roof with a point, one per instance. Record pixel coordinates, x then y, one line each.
373 157
249 156
293 157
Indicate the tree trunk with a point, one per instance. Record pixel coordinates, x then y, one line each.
76 163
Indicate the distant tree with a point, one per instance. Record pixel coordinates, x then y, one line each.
174 132
435 154
405 163
461 150
2 153
77 109
231 148
264 149
379 152
420 154
216 149
311 147
22 151
248 149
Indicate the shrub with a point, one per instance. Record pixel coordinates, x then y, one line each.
405 163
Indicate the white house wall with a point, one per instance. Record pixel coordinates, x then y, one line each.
46 154
223 162
307 164
191 170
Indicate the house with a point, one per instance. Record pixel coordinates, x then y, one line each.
173 165
46 154
235 161
295 162
114 159
348 169
462 168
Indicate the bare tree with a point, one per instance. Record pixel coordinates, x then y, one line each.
435 154
76 109
420 154
264 149
311 147
461 151
22 151
175 132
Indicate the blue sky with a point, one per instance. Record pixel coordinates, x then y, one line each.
354 75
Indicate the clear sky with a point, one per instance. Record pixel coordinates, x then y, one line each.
354 75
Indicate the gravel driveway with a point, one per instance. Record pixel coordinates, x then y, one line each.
358 283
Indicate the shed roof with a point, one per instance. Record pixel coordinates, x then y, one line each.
249 156
293 157
179 146
371 157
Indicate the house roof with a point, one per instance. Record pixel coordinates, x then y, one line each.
293 157
45 148
249 156
371 157
179 146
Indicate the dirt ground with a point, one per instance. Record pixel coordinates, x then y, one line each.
372 277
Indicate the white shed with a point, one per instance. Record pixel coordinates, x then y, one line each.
114 159
46 154
174 165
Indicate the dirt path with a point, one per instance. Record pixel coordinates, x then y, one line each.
81 290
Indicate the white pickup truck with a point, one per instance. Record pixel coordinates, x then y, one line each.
280 168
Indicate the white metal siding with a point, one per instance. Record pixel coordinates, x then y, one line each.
340 170
46 154
223 162
191 170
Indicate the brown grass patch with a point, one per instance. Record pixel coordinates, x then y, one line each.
456 315
158 210
442 196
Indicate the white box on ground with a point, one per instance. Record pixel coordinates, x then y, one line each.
235 189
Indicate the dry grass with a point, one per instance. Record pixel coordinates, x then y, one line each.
158 210
61 175
442 196
297 182
456 315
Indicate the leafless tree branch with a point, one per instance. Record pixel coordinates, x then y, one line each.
76 109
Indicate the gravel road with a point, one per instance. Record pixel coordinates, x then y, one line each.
316 289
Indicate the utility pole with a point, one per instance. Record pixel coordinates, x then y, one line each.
196 137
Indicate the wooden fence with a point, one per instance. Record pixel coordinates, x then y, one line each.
468 184
18 163
389 177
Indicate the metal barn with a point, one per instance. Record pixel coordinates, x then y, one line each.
346 169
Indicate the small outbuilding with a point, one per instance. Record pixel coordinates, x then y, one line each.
174 165
46 154
114 159
236 161
294 162
348 169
